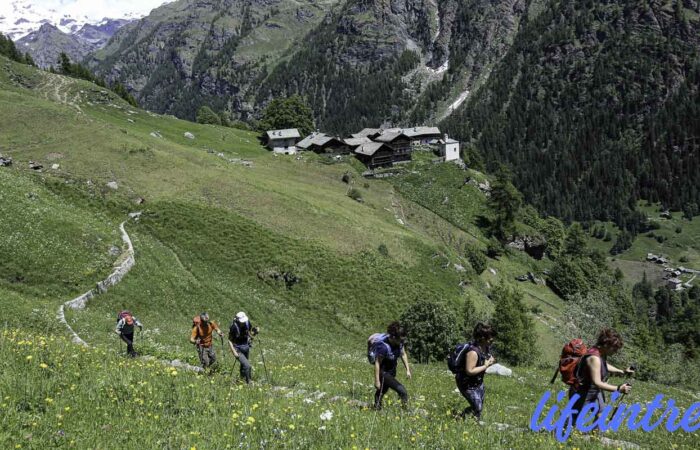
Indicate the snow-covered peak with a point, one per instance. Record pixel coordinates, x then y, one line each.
20 17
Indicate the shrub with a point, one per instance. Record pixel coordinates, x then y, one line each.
207 116
383 250
355 195
679 229
515 331
494 249
347 177
431 328
476 258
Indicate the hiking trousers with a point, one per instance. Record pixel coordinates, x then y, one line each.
389 381
207 357
246 368
474 395
129 339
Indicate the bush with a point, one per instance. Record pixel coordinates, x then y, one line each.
494 249
679 229
515 331
355 195
383 250
432 330
660 238
476 259
347 177
207 116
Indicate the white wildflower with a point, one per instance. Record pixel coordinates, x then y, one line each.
327 415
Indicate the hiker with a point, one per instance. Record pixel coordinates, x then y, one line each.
202 331
240 340
125 329
593 371
386 351
477 358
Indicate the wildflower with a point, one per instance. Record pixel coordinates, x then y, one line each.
43 365
291 426
327 415
29 358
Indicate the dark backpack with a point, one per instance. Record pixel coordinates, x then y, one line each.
455 360
571 356
235 330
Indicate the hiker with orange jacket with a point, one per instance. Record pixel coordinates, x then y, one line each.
125 329
201 336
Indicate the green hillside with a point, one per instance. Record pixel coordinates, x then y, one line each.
220 217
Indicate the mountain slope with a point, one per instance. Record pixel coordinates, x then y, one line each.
574 101
189 53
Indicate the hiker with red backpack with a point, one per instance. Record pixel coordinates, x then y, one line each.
469 363
240 340
383 351
126 322
202 336
586 370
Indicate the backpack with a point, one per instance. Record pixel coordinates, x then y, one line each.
126 315
234 331
571 356
372 342
455 360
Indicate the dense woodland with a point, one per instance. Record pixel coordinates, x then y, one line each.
594 107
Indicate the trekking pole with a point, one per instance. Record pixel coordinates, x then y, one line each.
262 354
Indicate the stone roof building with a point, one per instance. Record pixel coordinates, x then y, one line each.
283 141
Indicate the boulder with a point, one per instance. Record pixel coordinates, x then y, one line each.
35 166
113 185
189 135
156 134
5 161
55 166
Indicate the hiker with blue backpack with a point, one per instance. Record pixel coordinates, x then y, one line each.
469 363
384 351
126 324
240 340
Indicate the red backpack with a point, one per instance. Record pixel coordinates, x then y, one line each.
127 316
569 360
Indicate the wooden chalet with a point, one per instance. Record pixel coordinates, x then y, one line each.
375 154
369 133
322 143
399 142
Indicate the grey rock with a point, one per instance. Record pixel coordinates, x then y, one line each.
5 161
113 185
55 166
35 166
189 135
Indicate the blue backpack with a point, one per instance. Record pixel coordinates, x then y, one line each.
455 360
372 343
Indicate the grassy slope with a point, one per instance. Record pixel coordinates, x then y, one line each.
208 227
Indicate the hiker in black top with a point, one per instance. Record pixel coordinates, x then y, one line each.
388 353
240 340
470 381
125 329
594 370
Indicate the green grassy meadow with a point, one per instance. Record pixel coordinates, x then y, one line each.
212 229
